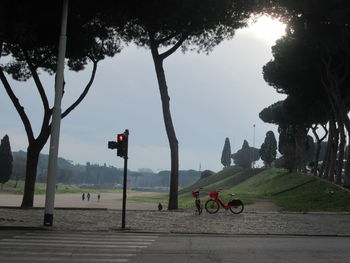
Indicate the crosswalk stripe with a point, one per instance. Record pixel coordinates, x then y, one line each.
84 238
72 241
104 250
55 253
73 247
84 234
52 259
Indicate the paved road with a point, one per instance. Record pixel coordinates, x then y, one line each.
245 249
51 246
47 246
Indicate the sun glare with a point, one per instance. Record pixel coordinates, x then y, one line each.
267 29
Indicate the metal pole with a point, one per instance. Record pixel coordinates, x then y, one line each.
124 191
125 179
56 121
253 145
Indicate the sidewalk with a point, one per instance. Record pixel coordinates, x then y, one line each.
259 222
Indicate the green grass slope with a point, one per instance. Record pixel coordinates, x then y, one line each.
290 191
225 179
315 196
271 182
295 191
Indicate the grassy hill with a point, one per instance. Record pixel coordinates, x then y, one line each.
290 191
226 179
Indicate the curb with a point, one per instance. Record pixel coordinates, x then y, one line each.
24 228
56 208
230 234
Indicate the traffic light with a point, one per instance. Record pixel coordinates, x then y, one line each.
112 145
121 144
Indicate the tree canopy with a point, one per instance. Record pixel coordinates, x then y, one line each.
226 153
6 160
268 149
246 156
29 45
311 66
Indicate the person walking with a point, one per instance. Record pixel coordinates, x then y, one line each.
98 197
88 196
83 197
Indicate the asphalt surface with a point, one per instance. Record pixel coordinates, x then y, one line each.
72 246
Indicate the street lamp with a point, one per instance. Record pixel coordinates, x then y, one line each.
56 121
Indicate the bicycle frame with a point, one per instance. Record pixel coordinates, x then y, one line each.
215 196
213 205
198 202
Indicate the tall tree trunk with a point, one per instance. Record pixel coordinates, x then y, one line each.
346 121
347 166
33 152
333 152
341 149
173 142
318 148
300 138
326 162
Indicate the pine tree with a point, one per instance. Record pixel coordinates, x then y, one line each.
268 149
226 153
6 160
245 156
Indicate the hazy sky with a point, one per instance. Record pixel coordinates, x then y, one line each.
212 97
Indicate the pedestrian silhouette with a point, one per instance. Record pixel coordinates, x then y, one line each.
88 196
98 197
160 207
83 197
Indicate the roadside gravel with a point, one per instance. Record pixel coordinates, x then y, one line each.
335 224
263 217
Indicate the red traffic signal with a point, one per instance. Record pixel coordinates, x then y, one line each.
121 144
121 137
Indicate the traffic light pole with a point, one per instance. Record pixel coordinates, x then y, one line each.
125 177
124 190
122 151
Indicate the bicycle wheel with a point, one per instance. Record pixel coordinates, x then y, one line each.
212 206
199 207
237 209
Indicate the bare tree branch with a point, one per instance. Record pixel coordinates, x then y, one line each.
162 40
85 91
170 51
37 80
18 106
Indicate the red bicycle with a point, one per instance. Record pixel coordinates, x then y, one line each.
197 202
236 206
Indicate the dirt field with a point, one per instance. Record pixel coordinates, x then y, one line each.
110 201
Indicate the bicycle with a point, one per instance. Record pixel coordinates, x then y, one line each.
212 206
197 202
